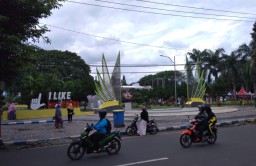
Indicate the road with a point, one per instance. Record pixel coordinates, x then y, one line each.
235 146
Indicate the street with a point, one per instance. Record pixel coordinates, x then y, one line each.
235 146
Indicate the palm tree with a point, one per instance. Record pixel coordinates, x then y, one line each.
230 66
195 56
253 56
244 53
212 63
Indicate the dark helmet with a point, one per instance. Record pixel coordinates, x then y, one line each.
102 113
208 109
201 108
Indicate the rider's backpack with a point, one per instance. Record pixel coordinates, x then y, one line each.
108 127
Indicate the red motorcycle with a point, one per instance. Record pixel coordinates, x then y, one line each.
189 135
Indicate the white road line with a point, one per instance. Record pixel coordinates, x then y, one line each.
142 162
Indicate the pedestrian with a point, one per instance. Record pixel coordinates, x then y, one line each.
58 117
70 110
12 112
142 128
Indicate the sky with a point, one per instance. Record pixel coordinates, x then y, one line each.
142 30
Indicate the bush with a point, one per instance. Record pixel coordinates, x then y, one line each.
218 103
135 105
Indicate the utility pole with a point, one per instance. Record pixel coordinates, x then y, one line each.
175 86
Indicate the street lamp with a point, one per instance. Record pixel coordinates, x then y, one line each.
174 76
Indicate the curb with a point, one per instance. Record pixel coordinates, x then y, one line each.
28 122
123 133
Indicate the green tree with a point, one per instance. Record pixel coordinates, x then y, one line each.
212 63
253 57
2 97
19 22
123 81
230 65
244 52
56 71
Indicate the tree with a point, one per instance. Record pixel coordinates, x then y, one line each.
253 56
2 97
19 22
123 82
244 53
212 64
55 71
230 66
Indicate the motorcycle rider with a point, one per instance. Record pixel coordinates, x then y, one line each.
101 129
212 119
203 122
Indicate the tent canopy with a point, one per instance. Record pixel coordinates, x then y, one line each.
242 92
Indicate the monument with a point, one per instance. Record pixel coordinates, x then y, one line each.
195 84
108 90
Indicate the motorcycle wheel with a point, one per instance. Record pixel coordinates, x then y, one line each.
153 129
212 138
75 151
114 146
185 141
130 131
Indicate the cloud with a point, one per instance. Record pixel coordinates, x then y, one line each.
142 37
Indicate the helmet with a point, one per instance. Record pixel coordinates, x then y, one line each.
144 108
201 108
208 109
102 113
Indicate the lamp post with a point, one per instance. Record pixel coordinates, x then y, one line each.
173 61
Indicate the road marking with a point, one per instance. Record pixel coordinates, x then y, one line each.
142 162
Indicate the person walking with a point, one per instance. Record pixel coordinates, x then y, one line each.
12 112
142 128
70 110
58 117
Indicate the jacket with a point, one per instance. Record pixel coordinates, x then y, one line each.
101 126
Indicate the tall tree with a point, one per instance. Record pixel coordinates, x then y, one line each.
123 82
244 53
253 56
19 22
56 71
230 66
211 63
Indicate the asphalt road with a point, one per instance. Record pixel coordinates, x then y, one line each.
235 147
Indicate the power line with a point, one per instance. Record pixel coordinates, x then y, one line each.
137 72
178 11
83 33
134 65
131 72
170 48
83 3
168 4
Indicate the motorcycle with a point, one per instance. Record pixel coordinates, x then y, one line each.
189 135
110 144
132 129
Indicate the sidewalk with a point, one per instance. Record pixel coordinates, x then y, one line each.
43 130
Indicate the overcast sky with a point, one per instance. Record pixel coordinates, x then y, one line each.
142 34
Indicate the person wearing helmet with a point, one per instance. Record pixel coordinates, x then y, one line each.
212 119
202 124
100 126
142 128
